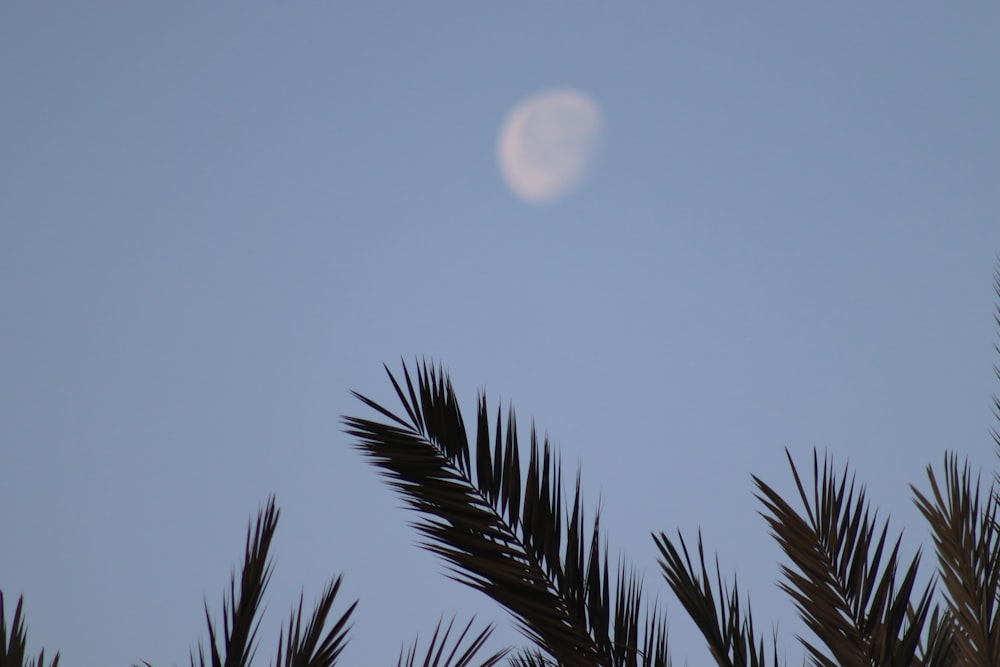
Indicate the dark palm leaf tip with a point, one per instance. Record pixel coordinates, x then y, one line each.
996 367
521 545
530 658
847 591
13 647
302 646
724 622
434 656
308 647
967 539
239 611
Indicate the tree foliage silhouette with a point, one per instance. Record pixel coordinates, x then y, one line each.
521 540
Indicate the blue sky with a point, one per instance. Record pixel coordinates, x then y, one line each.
216 220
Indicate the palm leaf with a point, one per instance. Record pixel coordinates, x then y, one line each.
728 630
303 646
846 588
996 368
13 648
522 545
938 647
434 656
967 540
239 613
530 658
308 647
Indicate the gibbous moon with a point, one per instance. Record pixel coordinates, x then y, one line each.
547 143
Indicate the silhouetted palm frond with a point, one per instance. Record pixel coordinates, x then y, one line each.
996 368
967 539
435 654
964 524
729 631
302 646
631 639
521 545
308 647
530 658
938 646
850 599
239 613
13 647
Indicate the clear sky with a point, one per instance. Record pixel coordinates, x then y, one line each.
216 219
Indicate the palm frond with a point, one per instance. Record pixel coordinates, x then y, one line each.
308 647
522 545
633 644
530 658
938 646
728 630
996 368
239 612
303 646
435 654
845 586
13 647
967 540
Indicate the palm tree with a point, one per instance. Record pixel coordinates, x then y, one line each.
855 592
315 643
318 643
521 541
852 597
848 591
312 645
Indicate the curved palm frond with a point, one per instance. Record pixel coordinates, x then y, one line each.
938 646
14 648
634 643
438 646
308 647
530 658
851 600
239 614
521 545
996 368
730 634
302 646
967 540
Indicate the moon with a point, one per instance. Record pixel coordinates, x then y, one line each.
547 144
